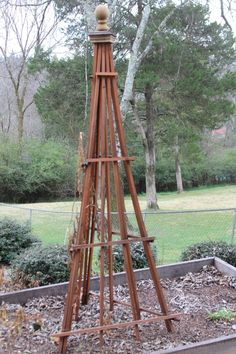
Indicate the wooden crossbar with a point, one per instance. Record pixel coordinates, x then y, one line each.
116 325
109 159
112 243
126 304
128 235
106 74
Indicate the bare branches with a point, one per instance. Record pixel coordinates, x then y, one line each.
21 3
134 62
223 13
25 27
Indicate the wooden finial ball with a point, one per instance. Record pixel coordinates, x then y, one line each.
102 14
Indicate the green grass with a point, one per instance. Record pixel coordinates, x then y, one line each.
173 232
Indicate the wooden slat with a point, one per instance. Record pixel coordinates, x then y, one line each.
112 243
116 325
106 74
128 235
126 304
108 159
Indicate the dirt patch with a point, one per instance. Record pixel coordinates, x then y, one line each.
28 329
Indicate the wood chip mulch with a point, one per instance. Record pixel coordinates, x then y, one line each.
27 329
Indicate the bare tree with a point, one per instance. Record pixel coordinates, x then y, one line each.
227 7
25 27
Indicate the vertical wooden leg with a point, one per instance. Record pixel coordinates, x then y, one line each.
68 311
121 214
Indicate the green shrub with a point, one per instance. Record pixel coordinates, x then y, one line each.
36 170
137 254
42 265
210 249
14 237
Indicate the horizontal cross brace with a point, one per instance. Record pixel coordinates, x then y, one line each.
116 325
108 159
112 243
141 308
118 233
106 74
126 304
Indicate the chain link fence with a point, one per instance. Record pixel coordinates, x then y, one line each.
173 230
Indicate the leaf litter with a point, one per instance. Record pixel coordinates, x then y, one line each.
29 328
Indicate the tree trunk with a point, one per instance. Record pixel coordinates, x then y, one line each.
21 116
179 181
150 178
150 154
20 126
134 63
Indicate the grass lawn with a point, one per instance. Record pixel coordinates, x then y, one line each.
173 232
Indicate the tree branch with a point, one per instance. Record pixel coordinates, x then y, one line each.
133 62
138 120
27 106
223 14
136 59
158 32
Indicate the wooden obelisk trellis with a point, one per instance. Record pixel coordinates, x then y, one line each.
102 181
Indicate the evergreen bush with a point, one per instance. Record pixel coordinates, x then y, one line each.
14 237
42 265
210 249
139 259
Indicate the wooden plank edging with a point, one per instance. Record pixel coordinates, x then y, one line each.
220 345
224 268
166 271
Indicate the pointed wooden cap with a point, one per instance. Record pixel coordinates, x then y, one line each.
102 14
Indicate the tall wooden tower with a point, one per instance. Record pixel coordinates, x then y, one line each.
102 188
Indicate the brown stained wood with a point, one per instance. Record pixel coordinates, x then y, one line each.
121 213
109 159
111 243
106 74
132 236
126 304
116 325
93 148
102 134
96 214
76 263
109 203
107 37
142 229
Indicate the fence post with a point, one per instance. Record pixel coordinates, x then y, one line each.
30 217
233 228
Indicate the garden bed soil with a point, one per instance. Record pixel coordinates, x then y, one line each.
27 329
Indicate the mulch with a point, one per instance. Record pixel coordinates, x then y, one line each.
28 329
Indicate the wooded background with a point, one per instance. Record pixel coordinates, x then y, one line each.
177 82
